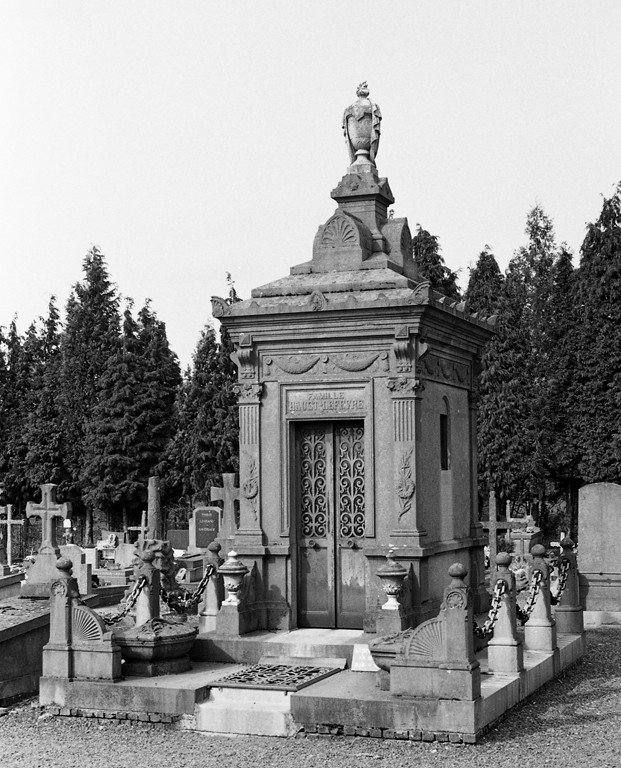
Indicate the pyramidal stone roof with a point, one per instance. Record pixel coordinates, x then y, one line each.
362 255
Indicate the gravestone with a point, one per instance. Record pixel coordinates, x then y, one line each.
204 528
82 570
6 537
599 548
179 539
493 525
142 528
43 571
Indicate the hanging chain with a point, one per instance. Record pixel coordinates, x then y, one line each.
187 599
488 628
523 614
114 618
555 597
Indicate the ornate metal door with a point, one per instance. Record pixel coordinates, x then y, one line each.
331 523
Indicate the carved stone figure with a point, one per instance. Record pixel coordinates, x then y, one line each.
361 125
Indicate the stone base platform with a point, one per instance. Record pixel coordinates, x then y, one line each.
352 703
601 618
172 695
301 643
347 702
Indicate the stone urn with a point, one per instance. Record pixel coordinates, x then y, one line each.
152 645
392 576
361 125
233 572
157 647
385 649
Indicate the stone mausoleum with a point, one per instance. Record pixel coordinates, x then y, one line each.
357 419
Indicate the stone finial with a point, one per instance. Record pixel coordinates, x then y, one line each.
361 125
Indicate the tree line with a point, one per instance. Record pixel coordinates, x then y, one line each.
98 403
550 385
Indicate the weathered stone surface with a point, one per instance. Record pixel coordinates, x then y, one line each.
599 543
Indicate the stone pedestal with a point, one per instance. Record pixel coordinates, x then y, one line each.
505 652
214 593
80 646
437 658
568 614
39 575
540 629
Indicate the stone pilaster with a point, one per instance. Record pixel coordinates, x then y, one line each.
405 396
249 532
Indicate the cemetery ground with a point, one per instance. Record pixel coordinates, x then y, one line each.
575 720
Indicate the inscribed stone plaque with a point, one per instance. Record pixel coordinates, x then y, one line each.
207 522
326 402
362 661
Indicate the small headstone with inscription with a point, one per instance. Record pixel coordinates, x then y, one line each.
204 527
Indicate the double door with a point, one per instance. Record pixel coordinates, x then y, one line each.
330 513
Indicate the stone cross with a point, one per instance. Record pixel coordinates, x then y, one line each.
229 495
47 510
142 527
8 511
493 526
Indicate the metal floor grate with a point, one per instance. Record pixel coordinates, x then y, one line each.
274 677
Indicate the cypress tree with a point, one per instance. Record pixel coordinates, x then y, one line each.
44 428
565 443
597 384
431 266
206 438
515 422
132 420
485 285
90 339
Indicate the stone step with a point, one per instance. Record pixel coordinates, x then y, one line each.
298 643
246 711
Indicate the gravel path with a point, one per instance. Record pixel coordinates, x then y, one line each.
574 721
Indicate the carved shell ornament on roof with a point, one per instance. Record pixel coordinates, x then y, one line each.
339 232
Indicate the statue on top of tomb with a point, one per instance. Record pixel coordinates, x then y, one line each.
361 125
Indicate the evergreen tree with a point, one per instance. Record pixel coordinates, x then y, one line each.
485 285
431 266
205 443
89 341
44 427
206 438
505 438
597 383
16 402
515 421
132 420
563 329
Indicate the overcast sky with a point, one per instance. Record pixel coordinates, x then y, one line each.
189 138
